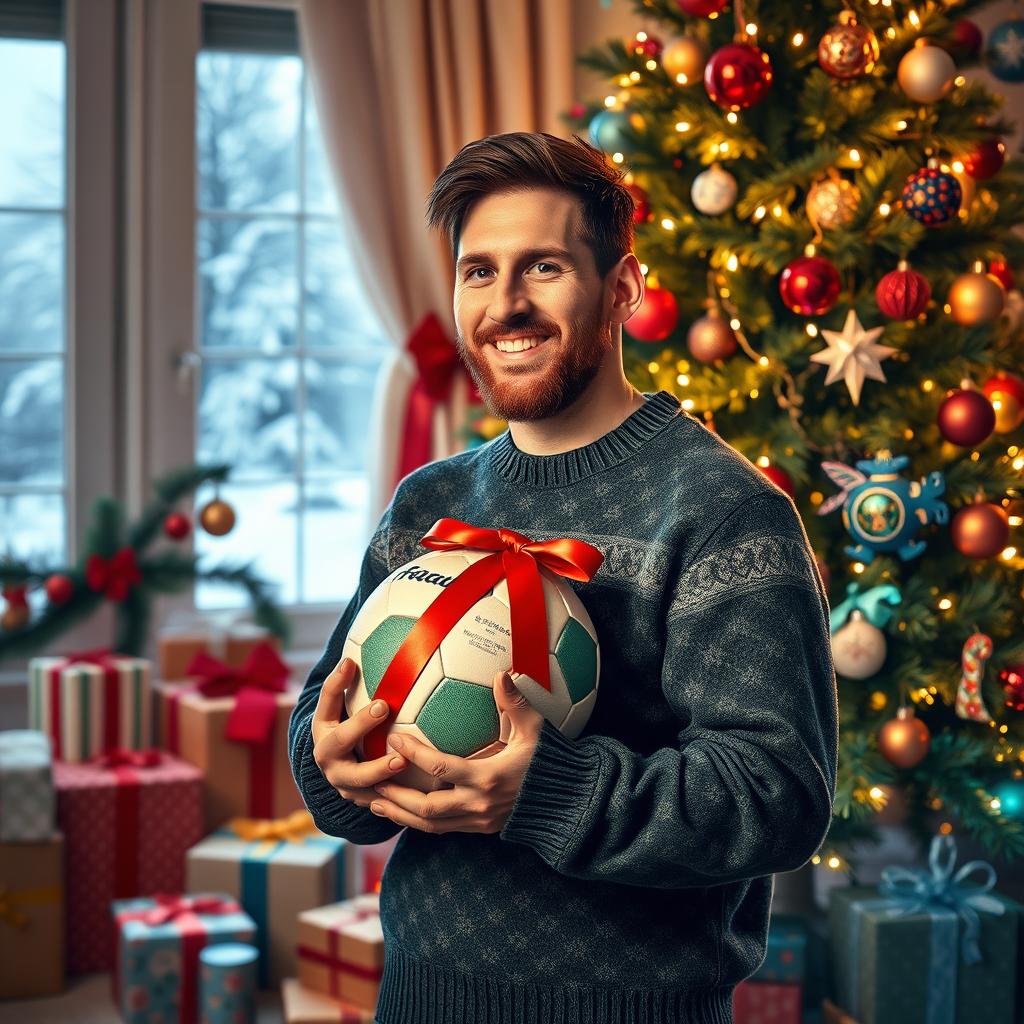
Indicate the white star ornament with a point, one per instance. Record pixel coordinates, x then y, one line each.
853 355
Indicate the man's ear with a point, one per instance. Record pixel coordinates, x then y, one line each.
626 284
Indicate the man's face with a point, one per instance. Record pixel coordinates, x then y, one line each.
522 272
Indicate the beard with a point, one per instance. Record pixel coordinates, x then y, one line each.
526 392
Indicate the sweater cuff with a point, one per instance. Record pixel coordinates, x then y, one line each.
559 784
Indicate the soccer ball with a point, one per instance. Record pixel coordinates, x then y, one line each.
451 704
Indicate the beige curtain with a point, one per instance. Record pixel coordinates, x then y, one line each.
400 86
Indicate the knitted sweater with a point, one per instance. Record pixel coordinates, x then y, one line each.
632 882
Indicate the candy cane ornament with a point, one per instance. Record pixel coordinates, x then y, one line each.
969 702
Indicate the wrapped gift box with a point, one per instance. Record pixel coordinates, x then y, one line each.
177 644
365 864
227 983
304 1006
32 918
275 869
129 820
898 960
232 724
341 950
786 953
766 1002
158 942
27 801
90 702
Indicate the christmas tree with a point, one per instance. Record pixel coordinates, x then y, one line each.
824 214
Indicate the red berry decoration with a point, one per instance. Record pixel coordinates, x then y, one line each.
810 285
966 417
700 8
931 196
903 294
986 159
656 316
177 526
737 76
1002 272
642 209
59 588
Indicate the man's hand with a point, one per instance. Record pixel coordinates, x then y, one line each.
485 789
335 739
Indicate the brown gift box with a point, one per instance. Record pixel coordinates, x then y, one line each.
176 646
32 917
304 1006
239 780
341 950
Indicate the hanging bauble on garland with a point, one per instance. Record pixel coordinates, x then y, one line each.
608 130
966 417
848 49
16 615
644 44
904 740
931 195
986 159
1012 680
59 588
980 530
177 526
903 294
926 72
642 209
713 191
710 338
217 517
858 643
701 8
970 704
779 477
684 59
831 203
1004 53
656 316
810 285
976 297
737 76
964 42
853 354
1006 393
1003 273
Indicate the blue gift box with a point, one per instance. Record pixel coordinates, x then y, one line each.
227 986
786 954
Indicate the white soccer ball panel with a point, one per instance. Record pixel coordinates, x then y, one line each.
479 645
578 716
553 704
411 591
374 608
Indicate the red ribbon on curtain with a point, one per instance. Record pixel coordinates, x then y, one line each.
114 576
104 658
516 558
437 361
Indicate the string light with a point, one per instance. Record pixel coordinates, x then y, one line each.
914 19
812 330
732 117
855 156
668 223
611 102
683 126
776 210
751 29
735 324
759 213
890 32
798 39
959 81
901 125
884 209
732 262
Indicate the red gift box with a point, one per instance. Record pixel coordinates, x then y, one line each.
764 1002
128 818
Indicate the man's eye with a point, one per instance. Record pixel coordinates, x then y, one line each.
544 263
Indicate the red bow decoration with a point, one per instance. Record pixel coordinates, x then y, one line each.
254 684
171 906
515 559
114 576
15 595
120 757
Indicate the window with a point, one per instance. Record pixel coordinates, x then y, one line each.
288 353
33 240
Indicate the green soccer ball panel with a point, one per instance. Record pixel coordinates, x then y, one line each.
577 656
460 718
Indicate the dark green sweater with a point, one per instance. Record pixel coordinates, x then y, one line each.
633 880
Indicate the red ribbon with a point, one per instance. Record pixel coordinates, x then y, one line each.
104 658
437 360
332 959
114 576
184 911
516 559
121 757
16 595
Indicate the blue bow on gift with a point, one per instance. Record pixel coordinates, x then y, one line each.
872 604
916 889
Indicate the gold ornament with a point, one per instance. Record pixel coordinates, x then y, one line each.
683 60
831 203
217 517
926 72
905 739
1009 412
848 49
976 297
710 337
15 617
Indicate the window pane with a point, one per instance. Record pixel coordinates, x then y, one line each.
333 520
247 416
247 125
321 195
338 405
32 122
248 283
31 282
32 525
32 421
264 534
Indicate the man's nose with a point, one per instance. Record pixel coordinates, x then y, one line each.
509 298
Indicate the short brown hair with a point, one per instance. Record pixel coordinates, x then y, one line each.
516 160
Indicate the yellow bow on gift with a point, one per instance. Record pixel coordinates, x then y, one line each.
292 829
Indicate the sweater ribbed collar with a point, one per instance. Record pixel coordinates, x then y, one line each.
563 468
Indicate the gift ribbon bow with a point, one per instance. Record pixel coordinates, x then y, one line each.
515 558
292 829
114 576
915 889
16 595
873 604
120 757
170 907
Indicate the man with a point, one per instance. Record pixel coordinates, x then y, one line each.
625 875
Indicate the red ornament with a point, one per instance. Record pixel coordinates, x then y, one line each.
780 478
59 588
1003 273
656 316
985 159
965 40
649 46
1012 678
700 8
980 530
15 595
177 526
966 417
642 209
810 285
737 76
903 293
577 110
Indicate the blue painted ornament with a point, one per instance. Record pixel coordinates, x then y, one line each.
932 196
608 130
881 510
1004 52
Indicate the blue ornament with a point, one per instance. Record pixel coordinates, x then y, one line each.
1010 795
1004 51
881 510
608 130
931 196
